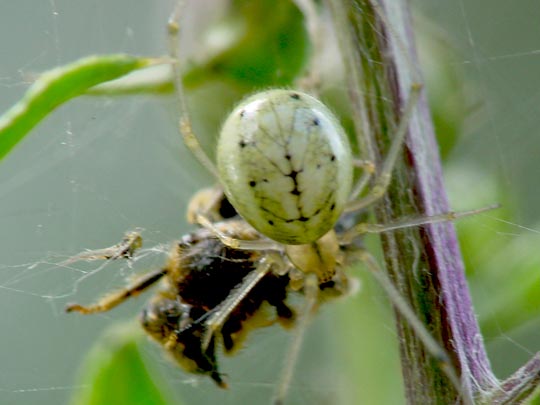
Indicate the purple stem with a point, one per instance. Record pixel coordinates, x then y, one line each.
457 321
425 262
446 286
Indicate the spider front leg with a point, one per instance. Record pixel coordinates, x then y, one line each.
382 179
110 301
220 313
235 243
184 123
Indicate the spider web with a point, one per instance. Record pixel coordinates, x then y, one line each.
98 167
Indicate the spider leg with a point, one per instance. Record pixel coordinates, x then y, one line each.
234 243
382 179
360 185
365 227
110 301
311 291
184 124
220 313
403 308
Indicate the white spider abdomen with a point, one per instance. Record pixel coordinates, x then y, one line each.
285 164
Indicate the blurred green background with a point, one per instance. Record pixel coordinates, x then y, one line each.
99 166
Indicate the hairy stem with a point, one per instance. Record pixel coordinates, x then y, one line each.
425 263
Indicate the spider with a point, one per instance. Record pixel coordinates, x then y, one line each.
281 220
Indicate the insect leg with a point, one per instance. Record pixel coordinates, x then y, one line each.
110 301
131 242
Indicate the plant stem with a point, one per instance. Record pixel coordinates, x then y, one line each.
425 263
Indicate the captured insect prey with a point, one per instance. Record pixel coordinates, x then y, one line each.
201 273
200 276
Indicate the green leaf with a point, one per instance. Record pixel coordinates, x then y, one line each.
507 268
514 266
535 400
115 373
252 52
59 85
154 80
267 46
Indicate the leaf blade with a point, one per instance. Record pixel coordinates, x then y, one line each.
56 86
115 373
